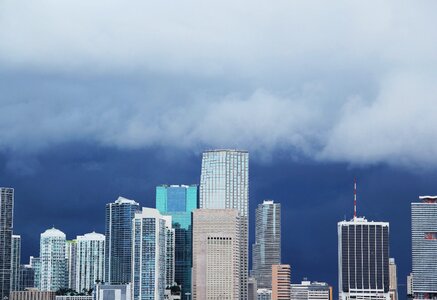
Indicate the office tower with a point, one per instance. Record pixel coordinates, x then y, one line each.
179 201
307 290
267 247
281 275
90 260
35 264
224 184
53 262
6 225
33 295
149 254
15 261
363 259
393 279
71 255
216 254
252 287
113 292
264 294
26 276
424 242
118 233
78 297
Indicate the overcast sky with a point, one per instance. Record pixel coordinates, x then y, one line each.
343 88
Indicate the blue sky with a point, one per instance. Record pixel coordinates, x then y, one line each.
107 98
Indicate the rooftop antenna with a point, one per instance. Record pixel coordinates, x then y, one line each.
355 198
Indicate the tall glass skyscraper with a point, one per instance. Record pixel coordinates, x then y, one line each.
224 183
424 242
179 201
363 260
149 251
53 268
6 225
118 245
15 265
267 247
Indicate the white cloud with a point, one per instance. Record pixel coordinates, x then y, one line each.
344 81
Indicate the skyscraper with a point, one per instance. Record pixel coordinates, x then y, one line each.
6 226
71 255
216 254
53 262
35 264
393 279
15 264
281 275
90 260
363 259
118 245
267 247
179 201
149 254
224 184
424 244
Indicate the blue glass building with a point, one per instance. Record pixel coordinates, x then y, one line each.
118 244
179 201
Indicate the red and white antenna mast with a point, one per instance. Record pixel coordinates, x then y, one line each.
355 198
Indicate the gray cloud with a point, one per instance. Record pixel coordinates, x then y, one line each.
348 81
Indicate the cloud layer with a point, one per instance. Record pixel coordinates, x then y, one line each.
348 81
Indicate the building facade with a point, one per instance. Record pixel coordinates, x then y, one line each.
424 246
264 294
90 260
179 201
266 251
35 264
6 228
224 184
71 255
307 290
281 276
32 295
216 254
393 279
252 288
53 265
363 259
113 292
15 263
149 238
118 233
26 277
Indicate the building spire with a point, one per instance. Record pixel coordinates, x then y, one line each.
355 198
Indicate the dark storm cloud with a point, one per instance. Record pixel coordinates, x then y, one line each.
349 82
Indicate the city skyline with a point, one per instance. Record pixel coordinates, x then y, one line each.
318 278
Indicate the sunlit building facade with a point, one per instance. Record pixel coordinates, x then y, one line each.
224 184
53 265
179 201
90 258
15 263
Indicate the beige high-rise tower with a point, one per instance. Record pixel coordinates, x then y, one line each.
216 254
281 275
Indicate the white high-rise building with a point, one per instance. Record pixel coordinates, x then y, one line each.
216 254
15 263
149 241
363 259
53 268
224 184
71 255
90 260
424 246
